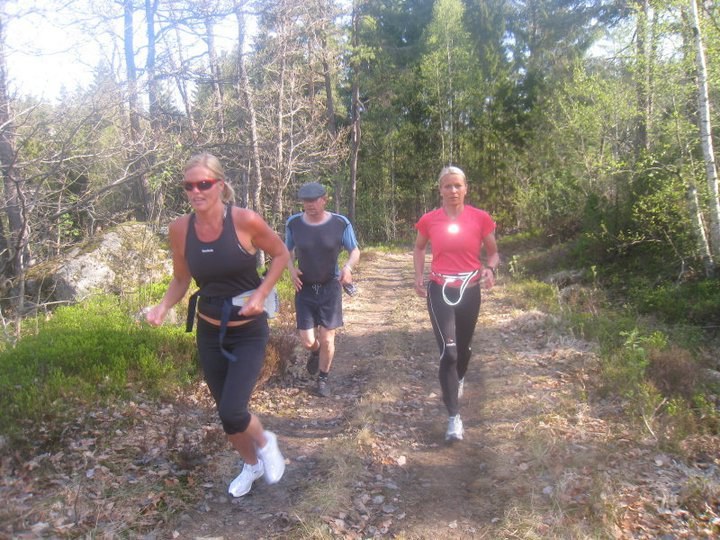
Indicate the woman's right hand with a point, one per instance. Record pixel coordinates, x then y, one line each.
420 288
155 315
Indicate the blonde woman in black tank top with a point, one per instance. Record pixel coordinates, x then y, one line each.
218 253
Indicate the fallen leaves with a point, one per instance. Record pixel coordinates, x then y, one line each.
543 457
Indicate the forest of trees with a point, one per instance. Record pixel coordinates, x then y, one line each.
587 119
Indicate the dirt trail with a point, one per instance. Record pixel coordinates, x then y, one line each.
542 456
538 460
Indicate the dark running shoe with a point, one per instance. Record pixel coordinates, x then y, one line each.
323 389
313 362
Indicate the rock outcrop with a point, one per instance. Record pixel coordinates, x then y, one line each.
120 261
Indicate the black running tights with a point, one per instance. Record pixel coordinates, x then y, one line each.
453 327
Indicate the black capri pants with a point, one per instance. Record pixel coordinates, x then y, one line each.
231 382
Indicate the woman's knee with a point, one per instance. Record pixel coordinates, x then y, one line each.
450 355
234 421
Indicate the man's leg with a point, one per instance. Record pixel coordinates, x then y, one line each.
330 318
327 348
305 302
327 351
310 342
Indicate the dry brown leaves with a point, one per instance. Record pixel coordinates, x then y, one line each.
544 457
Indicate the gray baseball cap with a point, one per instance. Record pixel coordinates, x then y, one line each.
311 191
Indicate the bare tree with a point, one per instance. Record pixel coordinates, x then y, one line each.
140 190
215 75
328 54
246 94
291 110
14 238
178 66
354 109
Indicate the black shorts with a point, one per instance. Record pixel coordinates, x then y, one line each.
319 305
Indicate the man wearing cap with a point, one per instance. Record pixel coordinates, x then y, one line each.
315 238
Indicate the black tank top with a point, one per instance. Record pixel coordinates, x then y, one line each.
222 268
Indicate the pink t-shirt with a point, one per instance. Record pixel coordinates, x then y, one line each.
455 243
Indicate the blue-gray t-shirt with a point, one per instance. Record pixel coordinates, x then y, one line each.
317 246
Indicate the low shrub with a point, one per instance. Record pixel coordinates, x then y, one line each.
674 372
88 352
606 328
624 367
696 302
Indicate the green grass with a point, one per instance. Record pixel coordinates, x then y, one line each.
94 352
532 294
85 353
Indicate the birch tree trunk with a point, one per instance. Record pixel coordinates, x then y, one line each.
699 227
281 167
642 85
156 204
178 70
706 137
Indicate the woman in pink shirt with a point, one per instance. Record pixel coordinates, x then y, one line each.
458 233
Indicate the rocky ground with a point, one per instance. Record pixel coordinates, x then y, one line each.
543 455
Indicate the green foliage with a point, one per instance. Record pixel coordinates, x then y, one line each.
286 289
515 267
707 411
152 293
654 227
694 302
571 167
531 294
650 363
624 367
88 352
534 254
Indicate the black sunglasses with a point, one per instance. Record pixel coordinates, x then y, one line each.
202 185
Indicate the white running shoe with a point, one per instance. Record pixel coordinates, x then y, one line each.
455 429
244 481
461 387
272 459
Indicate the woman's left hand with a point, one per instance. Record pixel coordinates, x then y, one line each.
488 278
255 305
